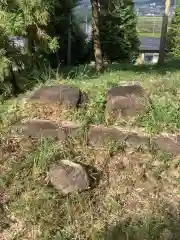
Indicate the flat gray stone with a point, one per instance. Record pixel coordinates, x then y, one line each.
134 140
125 101
101 135
168 144
64 95
37 128
69 128
125 91
68 177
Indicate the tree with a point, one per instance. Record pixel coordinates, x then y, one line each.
9 57
96 37
29 18
43 23
118 32
173 43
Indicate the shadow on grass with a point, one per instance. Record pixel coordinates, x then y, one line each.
170 65
89 72
41 75
166 228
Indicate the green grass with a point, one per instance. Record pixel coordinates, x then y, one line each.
150 18
150 26
123 205
144 34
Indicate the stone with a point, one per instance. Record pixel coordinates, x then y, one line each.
101 135
125 101
133 139
69 128
37 128
64 95
68 177
168 144
125 90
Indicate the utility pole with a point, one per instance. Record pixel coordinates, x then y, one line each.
69 40
164 29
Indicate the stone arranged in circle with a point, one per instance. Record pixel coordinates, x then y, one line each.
68 177
65 95
125 101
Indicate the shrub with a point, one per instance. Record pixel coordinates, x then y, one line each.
173 43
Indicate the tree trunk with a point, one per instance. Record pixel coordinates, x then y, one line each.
96 37
164 29
31 40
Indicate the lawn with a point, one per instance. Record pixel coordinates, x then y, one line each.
150 26
125 205
154 35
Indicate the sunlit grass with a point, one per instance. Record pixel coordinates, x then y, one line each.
138 202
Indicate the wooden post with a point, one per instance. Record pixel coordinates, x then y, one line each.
140 59
162 48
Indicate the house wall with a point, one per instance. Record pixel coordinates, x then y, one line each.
147 58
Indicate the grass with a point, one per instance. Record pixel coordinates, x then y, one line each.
150 34
125 204
150 26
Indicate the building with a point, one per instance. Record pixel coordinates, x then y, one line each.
149 50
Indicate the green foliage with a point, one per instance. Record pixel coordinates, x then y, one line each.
173 44
9 56
28 19
43 24
118 30
4 60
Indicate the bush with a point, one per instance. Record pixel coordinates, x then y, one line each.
173 43
44 25
10 57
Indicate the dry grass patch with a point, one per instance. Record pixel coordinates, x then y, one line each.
136 196
134 188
